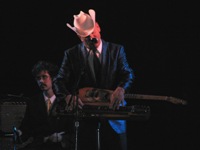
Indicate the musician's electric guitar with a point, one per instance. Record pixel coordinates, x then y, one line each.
97 96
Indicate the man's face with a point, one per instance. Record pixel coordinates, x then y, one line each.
44 80
95 34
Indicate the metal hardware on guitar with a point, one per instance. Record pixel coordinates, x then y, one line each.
134 112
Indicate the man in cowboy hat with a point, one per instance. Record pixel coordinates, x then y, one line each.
78 71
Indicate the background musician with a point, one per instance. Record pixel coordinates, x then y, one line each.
41 129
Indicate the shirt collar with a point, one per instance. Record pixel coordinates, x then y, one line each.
99 48
52 99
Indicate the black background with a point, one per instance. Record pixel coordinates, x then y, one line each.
161 39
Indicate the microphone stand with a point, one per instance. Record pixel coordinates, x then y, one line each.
76 124
92 47
90 43
16 138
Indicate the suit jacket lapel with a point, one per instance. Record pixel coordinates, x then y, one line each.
105 61
42 104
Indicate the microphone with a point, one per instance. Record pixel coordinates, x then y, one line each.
94 40
91 40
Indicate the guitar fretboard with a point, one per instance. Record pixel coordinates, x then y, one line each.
157 97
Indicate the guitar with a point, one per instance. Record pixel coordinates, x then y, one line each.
95 96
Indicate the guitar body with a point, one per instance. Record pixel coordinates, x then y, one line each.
94 95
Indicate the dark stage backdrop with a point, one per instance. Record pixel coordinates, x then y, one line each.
161 39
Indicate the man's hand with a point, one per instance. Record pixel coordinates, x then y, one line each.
56 137
72 102
117 98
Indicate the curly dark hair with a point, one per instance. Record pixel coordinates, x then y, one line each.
45 66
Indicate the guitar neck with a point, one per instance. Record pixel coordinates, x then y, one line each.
156 98
145 97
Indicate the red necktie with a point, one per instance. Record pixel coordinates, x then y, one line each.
48 105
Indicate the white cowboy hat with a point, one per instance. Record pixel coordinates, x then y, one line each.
83 23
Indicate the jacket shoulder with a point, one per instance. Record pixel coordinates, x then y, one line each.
112 45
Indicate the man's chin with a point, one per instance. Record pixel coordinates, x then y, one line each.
43 88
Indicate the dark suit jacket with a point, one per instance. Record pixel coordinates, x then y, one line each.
38 124
115 70
75 74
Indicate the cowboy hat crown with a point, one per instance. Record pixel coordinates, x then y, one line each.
83 23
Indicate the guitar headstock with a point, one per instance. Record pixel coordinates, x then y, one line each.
175 100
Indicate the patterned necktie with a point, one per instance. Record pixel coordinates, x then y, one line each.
48 105
97 65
